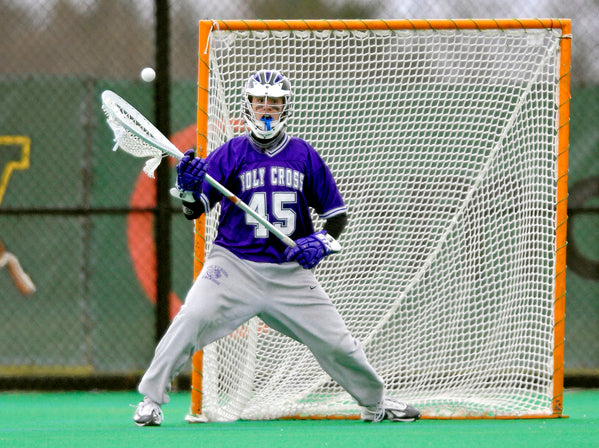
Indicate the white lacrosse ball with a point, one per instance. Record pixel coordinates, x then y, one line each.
148 74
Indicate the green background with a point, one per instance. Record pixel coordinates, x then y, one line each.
66 219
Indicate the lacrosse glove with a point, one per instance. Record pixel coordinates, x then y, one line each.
311 249
190 172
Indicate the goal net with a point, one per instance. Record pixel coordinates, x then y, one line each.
448 141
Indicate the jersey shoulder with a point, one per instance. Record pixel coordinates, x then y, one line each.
298 143
230 153
232 146
300 150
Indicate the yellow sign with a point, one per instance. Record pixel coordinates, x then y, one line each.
22 164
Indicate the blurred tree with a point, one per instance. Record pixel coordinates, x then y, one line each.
109 38
310 9
184 32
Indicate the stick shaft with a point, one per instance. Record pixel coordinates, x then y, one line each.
174 152
242 205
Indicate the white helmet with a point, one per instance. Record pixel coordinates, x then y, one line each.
264 84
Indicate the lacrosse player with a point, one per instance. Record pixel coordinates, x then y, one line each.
251 273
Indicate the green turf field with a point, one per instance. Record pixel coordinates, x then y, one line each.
103 419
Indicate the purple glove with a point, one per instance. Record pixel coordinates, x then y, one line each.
190 172
311 249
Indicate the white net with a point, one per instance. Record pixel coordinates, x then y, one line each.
443 144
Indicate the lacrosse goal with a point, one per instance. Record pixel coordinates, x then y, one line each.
449 142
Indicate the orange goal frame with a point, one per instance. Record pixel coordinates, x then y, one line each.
206 26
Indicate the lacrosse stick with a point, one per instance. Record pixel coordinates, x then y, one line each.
136 135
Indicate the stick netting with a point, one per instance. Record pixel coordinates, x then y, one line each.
443 144
133 132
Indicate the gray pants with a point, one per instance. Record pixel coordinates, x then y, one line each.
229 291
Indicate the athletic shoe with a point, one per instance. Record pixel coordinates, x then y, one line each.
391 410
148 413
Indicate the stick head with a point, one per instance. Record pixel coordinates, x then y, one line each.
135 134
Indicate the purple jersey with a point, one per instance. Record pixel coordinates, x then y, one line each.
280 184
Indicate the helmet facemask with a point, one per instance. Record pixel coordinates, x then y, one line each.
270 93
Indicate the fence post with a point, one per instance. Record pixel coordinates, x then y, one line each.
163 212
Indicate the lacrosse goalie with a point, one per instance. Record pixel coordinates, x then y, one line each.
249 272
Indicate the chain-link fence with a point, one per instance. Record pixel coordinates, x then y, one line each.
79 270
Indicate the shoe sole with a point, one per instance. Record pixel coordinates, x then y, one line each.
150 422
147 424
406 420
396 419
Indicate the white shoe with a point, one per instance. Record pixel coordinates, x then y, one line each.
148 413
392 410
